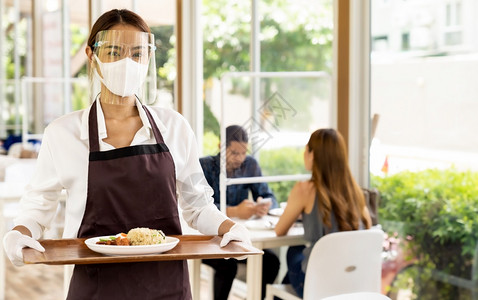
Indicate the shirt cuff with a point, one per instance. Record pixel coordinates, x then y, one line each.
210 219
33 226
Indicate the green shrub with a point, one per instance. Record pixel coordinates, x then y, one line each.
283 161
210 145
437 210
211 124
211 132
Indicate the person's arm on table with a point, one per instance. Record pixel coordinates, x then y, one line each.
262 207
244 210
295 206
260 190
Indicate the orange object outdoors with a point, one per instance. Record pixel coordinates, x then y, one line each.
385 165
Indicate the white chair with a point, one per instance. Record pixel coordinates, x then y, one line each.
359 296
340 263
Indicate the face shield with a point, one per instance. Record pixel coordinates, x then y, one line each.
123 67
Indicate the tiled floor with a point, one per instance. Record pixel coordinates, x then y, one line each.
33 282
45 282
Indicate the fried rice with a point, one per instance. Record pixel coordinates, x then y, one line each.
145 236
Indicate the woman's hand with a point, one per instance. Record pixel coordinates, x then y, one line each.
236 233
14 241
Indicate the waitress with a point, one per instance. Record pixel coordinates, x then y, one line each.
122 165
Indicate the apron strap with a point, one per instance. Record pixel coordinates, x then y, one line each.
157 134
93 129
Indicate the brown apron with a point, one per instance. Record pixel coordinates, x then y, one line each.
130 187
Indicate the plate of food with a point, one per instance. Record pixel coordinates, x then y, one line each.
138 241
260 224
276 211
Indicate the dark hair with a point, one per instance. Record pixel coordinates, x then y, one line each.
339 193
236 133
115 17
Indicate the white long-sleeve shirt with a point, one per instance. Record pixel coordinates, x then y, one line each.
63 164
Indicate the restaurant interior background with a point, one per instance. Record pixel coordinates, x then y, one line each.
410 97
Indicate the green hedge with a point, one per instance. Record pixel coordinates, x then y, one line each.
284 161
437 212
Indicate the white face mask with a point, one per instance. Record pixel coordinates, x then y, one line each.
123 77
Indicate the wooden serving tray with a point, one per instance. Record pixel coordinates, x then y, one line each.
75 251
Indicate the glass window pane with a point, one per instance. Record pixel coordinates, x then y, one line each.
291 39
449 21
423 157
294 38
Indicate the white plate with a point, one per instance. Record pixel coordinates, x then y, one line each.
169 244
276 212
259 224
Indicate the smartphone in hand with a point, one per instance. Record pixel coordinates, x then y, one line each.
264 201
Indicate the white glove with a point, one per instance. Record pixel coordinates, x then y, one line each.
14 241
236 233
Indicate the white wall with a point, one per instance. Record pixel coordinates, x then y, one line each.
429 102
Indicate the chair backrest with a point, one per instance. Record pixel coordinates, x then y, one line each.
372 199
345 262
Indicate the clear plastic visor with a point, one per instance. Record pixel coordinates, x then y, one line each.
114 45
123 67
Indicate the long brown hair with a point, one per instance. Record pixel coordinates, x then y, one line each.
338 192
115 17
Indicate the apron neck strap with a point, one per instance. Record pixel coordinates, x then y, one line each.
157 134
93 129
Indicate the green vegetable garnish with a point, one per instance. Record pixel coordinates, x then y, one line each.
111 238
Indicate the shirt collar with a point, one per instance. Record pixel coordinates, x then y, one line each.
102 126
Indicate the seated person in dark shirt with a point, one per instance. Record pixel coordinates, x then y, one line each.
238 164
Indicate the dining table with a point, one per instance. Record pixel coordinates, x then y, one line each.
263 237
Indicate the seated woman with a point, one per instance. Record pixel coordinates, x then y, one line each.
330 201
